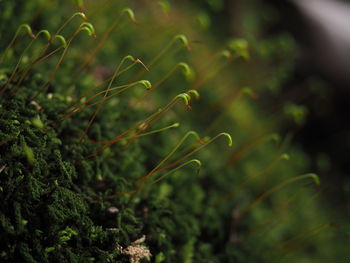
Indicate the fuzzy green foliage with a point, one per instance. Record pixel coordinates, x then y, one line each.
73 194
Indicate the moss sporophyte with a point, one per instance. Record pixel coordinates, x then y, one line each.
48 185
99 160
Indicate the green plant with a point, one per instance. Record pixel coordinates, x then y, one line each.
85 165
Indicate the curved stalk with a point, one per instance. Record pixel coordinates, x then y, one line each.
135 61
314 177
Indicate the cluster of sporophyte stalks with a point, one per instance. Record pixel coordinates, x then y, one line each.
99 160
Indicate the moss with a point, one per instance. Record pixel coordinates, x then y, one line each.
66 200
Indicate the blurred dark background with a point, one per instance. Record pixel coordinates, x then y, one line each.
325 136
318 79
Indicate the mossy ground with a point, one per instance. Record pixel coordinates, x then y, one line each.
53 194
